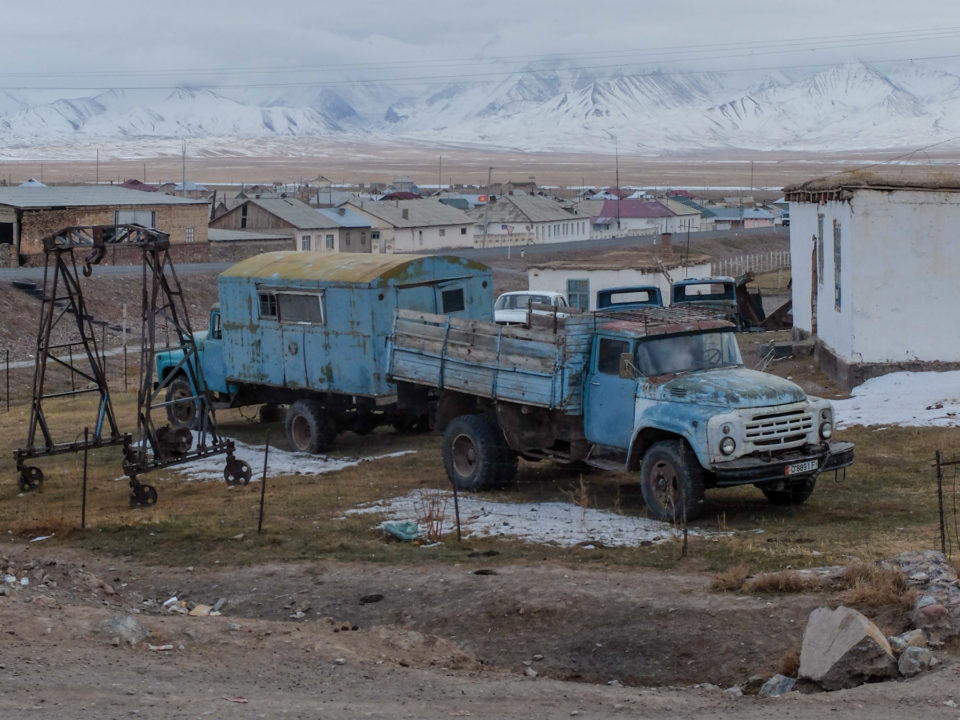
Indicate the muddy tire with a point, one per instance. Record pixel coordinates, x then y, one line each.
795 493
672 481
184 412
309 428
473 454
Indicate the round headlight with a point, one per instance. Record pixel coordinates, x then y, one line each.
725 429
826 430
728 445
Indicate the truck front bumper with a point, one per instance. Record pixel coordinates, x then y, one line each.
803 462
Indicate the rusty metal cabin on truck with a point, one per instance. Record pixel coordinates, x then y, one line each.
310 331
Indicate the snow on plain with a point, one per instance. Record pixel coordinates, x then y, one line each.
914 399
279 462
557 523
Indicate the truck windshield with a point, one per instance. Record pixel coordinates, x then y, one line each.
687 353
703 292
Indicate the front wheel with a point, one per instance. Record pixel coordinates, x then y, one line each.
474 455
793 493
672 481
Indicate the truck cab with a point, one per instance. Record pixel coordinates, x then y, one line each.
680 406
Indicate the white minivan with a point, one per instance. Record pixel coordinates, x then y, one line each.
511 308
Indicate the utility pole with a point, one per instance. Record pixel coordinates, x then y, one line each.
183 169
483 243
98 166
440 174
616 153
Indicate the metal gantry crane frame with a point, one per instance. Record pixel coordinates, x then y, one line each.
155 446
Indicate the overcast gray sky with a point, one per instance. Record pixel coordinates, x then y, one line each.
131 43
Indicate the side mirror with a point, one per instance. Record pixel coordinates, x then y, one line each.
628 370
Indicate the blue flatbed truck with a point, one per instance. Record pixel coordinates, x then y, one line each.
658 391
310 331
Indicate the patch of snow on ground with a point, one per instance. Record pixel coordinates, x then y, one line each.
279 462
557 523
914 399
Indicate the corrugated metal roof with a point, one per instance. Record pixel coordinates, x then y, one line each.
633 208
420 213
335 267
85 196
537 208
218 235
732 213
347 219
295 212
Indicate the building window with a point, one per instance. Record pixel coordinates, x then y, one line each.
820 248
836 265
578 293
452 300
346 239
188 235
305 242
363 238
243 216
329 242
420 236
374 234
146 218
463 231
443 232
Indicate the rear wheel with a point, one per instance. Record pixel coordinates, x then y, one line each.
793 493
309 428
183 410
672 481
475 454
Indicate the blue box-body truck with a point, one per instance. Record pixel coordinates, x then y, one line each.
310 331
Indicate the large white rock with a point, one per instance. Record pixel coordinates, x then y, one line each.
842 648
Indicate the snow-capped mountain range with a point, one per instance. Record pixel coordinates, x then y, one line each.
841 108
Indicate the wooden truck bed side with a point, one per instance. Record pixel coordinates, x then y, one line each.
506 363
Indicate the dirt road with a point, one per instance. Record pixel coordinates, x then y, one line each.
324 639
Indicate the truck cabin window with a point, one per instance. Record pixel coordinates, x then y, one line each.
704 291
608 355
687 353
215 331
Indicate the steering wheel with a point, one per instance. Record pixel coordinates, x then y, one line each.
712 356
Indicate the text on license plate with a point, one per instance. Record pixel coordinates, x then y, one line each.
802 467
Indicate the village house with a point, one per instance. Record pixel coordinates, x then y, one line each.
28 214
325 230
737 218
874 271
579 280
632 216
400 226
520 219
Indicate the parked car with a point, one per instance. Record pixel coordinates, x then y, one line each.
511 308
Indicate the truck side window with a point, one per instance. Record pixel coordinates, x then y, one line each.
215 332
304 308
608 355
452 300
268 305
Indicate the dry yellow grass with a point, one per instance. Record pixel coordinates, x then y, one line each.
730 579
877 586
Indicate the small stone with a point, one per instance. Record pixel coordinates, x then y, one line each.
734 691
538 657
950 703
340 661
530 672
915 660
218 605
777 685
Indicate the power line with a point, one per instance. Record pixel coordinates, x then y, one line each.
677 53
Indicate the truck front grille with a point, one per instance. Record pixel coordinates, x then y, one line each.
771 431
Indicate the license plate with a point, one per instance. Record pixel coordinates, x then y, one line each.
802 467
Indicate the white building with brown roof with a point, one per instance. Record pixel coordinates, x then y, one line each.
399 226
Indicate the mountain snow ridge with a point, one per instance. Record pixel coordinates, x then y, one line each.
843 107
